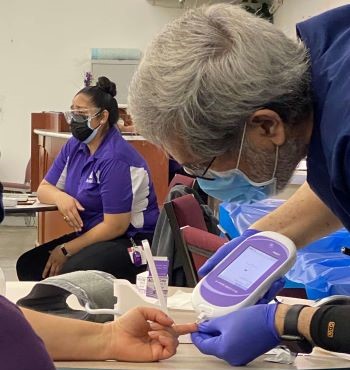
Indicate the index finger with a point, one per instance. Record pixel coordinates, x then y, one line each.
182 329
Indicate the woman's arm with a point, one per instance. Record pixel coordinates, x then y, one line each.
68 206
48 193
129 338
69 339
303 218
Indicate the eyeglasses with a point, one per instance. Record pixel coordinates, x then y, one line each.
197 171
79 115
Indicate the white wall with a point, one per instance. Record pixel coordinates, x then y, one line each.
45 50
294 11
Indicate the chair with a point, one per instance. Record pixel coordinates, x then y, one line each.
195 243
179 179
16 187
22 188
201 244
186 211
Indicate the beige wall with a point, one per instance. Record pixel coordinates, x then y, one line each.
294 11
45 50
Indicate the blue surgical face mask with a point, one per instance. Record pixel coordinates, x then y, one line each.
234 186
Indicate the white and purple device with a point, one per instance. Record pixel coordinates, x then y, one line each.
244 275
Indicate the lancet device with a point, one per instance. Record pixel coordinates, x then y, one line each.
245 275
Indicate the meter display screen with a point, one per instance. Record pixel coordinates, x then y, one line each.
249 267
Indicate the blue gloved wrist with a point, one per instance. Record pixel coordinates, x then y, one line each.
249 232
274 289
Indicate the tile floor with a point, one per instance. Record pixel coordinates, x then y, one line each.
14 240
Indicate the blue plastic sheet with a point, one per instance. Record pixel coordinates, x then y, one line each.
320 267
243 215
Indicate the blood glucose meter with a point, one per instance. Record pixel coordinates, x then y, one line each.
244 275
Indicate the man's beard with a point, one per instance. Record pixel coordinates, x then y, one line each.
262 163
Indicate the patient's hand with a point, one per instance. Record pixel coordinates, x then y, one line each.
145 334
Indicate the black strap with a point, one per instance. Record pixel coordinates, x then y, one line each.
291 320
291 337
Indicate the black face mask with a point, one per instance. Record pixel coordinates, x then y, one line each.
82 131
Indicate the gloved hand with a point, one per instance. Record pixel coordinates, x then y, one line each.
222 252
275 287
240 336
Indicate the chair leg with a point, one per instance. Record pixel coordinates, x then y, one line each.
29 220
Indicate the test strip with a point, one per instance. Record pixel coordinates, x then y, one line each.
154 273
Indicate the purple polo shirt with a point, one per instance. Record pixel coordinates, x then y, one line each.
115 179
20 347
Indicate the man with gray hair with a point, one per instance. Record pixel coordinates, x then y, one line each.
239 104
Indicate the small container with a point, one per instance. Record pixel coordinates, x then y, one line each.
145 283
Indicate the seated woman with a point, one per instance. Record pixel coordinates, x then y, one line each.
102 187
31 340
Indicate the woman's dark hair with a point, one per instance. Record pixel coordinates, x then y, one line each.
102 96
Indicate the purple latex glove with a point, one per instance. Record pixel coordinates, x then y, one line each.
223 251
240 336
275 287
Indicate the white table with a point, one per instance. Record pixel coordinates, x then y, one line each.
35 207
188 357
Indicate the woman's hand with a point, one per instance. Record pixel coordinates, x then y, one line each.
69 207
55 262
145 334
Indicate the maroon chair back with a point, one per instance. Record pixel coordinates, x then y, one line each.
200 244
179 179
186 211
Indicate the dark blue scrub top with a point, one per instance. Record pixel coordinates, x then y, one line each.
327 37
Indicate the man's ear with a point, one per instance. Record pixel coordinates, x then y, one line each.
267 124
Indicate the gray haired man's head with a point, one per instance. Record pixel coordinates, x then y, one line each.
208 71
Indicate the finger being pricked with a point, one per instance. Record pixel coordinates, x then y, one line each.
182 329
176 329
